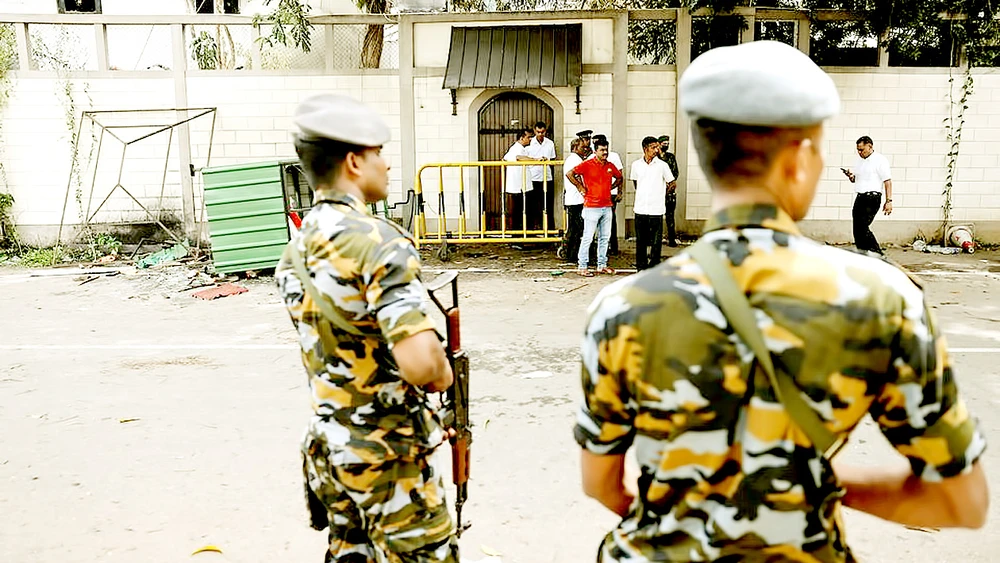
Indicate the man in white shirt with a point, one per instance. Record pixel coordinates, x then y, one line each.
573 199
518 181
543 179
870 176
615 159
650 175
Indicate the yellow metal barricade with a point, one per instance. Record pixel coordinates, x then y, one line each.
461 230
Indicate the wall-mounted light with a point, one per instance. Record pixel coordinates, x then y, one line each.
454 102
578 100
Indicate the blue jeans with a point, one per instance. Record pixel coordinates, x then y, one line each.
595 220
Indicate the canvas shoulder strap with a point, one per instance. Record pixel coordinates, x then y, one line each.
295 257
737 311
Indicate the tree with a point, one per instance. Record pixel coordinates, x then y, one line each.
371 50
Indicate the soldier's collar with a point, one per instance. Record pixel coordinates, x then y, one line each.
342 198
752 215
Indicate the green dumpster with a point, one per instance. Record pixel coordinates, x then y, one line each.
247 219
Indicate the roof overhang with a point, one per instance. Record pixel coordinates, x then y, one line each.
515 56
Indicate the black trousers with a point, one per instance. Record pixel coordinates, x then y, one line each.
671 209
649 240
574 231
539 203
866 206
516 210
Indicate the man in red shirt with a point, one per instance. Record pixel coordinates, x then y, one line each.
595 178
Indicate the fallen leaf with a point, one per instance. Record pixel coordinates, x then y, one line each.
206 549
490 551
124 420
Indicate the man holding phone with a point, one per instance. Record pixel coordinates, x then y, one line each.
871 175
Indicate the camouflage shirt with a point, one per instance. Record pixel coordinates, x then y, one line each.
725 475
368 270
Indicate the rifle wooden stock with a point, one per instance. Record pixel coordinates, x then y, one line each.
457 396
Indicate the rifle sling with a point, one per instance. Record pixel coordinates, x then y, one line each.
735 307
325 307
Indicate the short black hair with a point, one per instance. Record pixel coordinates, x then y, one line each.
865 140
541 125
525 131
322 159
731 151
648 140
602 142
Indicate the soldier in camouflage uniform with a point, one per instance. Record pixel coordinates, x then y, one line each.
671 160
726 473
369 349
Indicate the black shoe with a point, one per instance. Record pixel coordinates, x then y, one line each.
672 243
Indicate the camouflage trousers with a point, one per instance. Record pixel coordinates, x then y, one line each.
391 512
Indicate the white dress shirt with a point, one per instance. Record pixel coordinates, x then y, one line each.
518 180
651 181
545 149
571 195
871 173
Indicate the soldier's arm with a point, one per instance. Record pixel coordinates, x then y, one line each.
922 414
422 361
604 427
395 296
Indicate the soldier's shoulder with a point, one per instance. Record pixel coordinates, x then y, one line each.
877 273
649 289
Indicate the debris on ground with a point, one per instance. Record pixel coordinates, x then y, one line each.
207 549
223 290
564 289
87 278
73 272
175 252
490 551
537 375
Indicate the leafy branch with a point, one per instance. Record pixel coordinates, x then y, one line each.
289 23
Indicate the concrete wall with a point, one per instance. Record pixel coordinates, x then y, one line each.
166 7
902 109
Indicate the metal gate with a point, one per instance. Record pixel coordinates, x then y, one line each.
500 121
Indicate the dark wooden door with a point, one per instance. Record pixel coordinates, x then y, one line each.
500 121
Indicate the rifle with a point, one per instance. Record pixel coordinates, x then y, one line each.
456 402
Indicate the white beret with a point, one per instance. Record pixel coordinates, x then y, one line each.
764 83
341 118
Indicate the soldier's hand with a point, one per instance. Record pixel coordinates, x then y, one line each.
442 384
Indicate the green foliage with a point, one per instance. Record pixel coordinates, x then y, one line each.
290 25
8 60
205 51
40 257
108 244
954 124
8 233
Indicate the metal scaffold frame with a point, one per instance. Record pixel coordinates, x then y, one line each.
113 131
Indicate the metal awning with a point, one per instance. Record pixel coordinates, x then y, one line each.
515 56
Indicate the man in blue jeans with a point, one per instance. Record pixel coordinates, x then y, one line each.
595 178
